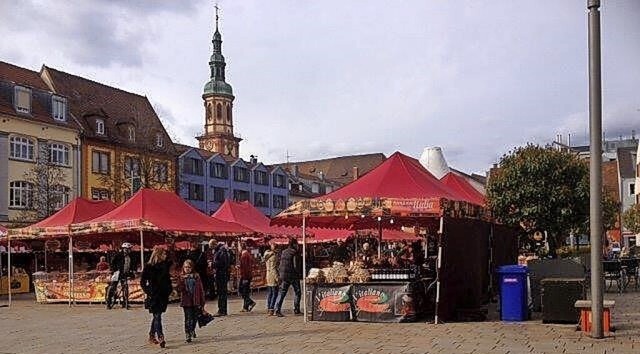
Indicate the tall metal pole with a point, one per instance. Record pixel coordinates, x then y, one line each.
304 265
595 168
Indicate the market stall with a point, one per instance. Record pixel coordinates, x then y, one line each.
401 193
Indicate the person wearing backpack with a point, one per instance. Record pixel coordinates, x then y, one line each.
290 275
221 263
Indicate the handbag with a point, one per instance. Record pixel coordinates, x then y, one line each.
204 318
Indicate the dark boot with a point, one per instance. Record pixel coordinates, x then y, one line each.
161 341
188 337
152 339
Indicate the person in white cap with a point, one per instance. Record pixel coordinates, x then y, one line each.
122 269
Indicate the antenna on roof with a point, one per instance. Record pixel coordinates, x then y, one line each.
287 156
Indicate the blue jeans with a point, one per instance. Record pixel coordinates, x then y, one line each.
284 287
190 318
156 325
272 296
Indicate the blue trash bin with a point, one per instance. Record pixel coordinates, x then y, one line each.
513 293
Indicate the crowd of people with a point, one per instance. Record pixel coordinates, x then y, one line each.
204 273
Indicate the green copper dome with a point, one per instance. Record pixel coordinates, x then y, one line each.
218 87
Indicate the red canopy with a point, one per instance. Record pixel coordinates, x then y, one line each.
78 210
463 188
399 189
153 210
397 177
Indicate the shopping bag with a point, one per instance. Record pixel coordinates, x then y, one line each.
204 318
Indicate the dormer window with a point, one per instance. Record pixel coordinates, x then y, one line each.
59 108
22 99
159 140
100 126
132 134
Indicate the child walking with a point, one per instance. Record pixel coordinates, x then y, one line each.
192 298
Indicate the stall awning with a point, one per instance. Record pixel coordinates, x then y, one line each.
463 188
58 224
153 210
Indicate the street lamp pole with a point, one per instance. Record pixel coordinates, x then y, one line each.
595 168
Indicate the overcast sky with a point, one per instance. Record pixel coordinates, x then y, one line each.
327 78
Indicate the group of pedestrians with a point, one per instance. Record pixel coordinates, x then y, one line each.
283 271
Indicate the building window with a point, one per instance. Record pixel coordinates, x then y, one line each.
193 166
132 133
21 148
219 111
161 172
240 195
279 181
99 194
159 140
228 113
131 167
100 126
59 154
100 162
61 195
279 202
261 200
241 174
261 178
219 170
22 99
196 191
219 194
20 195
59 108
632 188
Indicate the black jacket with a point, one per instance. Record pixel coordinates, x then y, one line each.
290 265
221 261
156 284
117 264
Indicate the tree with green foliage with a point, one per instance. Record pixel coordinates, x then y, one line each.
543 189
631 219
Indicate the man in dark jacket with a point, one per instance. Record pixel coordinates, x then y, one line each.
221 262
290 274
246 275
122 268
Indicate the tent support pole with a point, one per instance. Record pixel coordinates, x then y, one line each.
304 266
141 249
438 265
379 238
9 268
70 270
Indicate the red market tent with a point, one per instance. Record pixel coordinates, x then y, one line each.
153 210
58 224
249 216
399 189
463 188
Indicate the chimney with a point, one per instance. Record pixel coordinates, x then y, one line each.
356 175
253 159
295 170
433 160
321 174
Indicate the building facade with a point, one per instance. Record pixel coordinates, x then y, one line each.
39 148
208 178
124 145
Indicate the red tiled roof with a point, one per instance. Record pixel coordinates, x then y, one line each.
119 109
15 75
339 169
22 76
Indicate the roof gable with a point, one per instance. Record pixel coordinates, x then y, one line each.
340 169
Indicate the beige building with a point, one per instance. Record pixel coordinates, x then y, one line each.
39 145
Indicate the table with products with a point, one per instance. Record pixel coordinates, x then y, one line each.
374 295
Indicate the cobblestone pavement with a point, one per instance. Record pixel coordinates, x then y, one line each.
27 327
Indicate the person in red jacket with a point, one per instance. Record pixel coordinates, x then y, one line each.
246 274
192 298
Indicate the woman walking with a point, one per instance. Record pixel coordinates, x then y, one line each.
192 298
271 262
156 284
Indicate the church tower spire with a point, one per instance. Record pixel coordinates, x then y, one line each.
218 104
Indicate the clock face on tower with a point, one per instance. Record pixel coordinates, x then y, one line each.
208 145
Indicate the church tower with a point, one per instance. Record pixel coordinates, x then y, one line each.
218 104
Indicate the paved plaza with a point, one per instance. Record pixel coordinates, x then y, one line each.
28 327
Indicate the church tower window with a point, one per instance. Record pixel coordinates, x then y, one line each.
219 111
